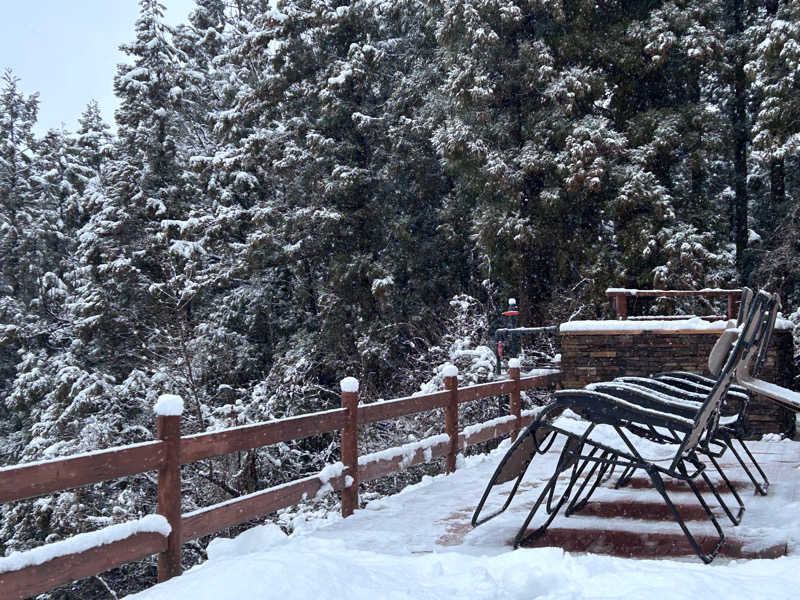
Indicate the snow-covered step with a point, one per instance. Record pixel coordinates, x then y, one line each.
673 485
643 544
657 511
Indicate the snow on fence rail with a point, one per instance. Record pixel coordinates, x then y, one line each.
89 554
620 297
24 574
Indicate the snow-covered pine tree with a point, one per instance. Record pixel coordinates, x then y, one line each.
18 207
774 74
670 230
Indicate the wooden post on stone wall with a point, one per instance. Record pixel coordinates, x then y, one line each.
168 411
733 306
621 306
450 373
349 387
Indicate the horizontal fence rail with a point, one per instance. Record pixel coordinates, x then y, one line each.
620 298
217 517
35 579
216 443
401 407
171 450
34 479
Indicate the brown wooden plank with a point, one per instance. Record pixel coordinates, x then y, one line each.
239 510
540 381
380 468
216 443
490 433
485 390
34 479
380 411
674 293
15 585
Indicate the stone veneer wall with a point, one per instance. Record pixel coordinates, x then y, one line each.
590 356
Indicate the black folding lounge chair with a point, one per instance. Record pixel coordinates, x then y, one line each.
661 395
689 390
603 437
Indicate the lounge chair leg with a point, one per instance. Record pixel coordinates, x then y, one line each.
569 457
520 441
658 483
521 538
626 477
738 517
530 437
578 503
761 486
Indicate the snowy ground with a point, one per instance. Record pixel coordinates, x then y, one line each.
418 544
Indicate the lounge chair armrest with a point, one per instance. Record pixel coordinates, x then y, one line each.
783 396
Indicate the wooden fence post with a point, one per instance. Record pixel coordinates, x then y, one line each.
621 306
450 373
733 306
168 411
349 387
515 397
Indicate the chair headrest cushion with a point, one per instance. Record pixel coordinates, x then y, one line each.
721 350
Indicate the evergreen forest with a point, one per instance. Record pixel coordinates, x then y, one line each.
297 191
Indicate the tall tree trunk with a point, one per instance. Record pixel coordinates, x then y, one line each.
740 162
777 185
698 174
740 130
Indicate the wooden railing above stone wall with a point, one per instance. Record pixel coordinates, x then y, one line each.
594 351
620 296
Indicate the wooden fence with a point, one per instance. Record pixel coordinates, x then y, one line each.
620 298
171 450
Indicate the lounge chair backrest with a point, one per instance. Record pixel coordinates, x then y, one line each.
744 305
764 347
722 347
753 329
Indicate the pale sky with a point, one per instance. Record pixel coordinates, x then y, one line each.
67 50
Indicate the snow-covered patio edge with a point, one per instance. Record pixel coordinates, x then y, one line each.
404 546
83 542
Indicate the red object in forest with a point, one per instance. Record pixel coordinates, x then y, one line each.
511 313
500 349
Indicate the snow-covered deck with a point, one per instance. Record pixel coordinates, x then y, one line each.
419 544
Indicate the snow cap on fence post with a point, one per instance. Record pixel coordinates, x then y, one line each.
513 363
168 405
449 370
349 384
